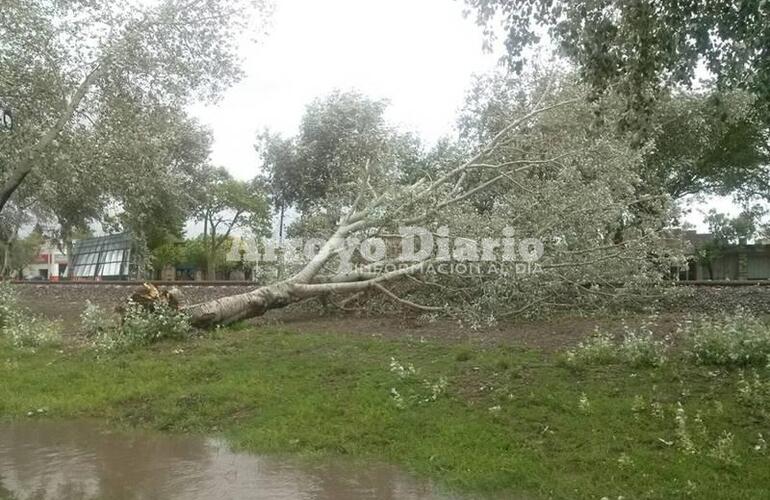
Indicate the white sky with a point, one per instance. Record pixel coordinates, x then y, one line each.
419 54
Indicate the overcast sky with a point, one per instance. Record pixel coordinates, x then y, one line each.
419 54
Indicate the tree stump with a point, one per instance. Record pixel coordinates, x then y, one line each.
149 297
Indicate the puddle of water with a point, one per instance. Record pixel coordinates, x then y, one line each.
79 460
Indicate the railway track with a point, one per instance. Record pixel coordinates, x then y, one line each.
220 283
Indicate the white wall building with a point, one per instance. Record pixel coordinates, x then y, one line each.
50 264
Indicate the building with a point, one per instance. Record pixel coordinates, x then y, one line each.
741 262
49 264
110 257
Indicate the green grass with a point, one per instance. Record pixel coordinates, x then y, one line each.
509 422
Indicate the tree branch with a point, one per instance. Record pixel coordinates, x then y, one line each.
409 303
30 156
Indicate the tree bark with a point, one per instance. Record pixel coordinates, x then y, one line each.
257 302
30 157
66 246
8 241
211 266
6 255
70 253
243 306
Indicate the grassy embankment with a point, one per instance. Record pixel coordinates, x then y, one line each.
500 420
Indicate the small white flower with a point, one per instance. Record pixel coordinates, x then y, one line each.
584 404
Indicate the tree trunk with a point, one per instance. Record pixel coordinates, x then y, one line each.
70 247
8 242
211 267
66 246
6 254
210 243
243 306
257 302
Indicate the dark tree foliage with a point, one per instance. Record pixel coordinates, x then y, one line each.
712 143
341 136
698 142
639 47
729 231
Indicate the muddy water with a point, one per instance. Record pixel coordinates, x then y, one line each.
79 460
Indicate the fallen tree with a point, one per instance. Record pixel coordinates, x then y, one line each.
370 210
545 173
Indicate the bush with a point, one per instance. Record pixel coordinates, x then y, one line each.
637 347
24 330
146 326
95 321
30 332
8 302
140 326
732 339
598 349
754 391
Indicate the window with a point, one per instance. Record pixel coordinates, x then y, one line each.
102 257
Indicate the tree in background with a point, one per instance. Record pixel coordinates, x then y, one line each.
16 252
74 192
224 205
698 143
67 63
639 49
138 184
154 201
340 137
711 143
167 254
639 60
20 253
728 231
279 167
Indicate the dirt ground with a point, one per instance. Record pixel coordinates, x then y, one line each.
65 303
547 334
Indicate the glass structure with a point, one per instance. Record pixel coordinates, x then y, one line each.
107 257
